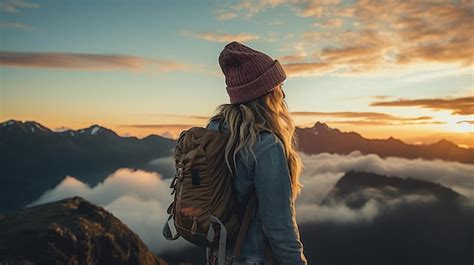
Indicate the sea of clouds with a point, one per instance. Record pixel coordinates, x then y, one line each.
140 198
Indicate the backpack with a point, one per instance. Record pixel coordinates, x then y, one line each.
204 209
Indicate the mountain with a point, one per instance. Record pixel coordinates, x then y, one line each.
356 188
35 158
24 128
398 221
70 231
321 138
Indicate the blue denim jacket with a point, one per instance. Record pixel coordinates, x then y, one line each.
275 215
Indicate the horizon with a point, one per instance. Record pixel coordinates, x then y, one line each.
391 69
171 137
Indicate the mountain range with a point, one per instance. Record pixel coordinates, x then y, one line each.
321 138
35 158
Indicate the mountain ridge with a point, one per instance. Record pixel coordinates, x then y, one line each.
70 231
318 126
321 138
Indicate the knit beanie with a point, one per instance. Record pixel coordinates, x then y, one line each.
249 74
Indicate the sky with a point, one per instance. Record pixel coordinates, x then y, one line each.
380 68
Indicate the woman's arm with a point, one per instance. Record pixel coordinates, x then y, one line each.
276 207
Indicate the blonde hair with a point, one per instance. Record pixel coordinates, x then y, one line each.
245 120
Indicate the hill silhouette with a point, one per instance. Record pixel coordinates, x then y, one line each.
321 138
70 231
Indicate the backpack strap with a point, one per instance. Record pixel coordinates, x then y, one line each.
244 228
269 253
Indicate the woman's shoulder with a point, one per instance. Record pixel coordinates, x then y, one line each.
266 140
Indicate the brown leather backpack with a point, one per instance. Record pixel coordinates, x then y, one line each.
204 208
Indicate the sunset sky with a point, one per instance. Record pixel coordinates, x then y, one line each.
380 68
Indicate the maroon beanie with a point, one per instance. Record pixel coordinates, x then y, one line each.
249 74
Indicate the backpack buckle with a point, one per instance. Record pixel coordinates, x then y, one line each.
179 173
177 176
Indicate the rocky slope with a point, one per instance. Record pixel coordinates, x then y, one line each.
70 231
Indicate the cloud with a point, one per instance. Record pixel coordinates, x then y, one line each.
159 126
293 57
62 129
466 121
224 15
137 198
91 62
371 123
13 6
383 37
352 114
140 198
167 134
169 130
249 8
367 118
164 165
330 23
172 124
460 106
322 171
305 69
181 116
340 213
221 37
14 25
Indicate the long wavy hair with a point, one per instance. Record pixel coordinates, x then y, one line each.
245 120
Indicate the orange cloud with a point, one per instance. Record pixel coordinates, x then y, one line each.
461 106
88 61
224 15
302 69
158 126
330 23
384 35
372 123
221 37
466 121
293 57
249 8
367 118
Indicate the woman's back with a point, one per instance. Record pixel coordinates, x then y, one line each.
274 218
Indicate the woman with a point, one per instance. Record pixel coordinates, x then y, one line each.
262 154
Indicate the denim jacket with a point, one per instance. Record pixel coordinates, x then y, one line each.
275 214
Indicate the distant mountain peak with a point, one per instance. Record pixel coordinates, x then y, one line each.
393 139
321 125
26 126
33 125
96 130
445 143
9 123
